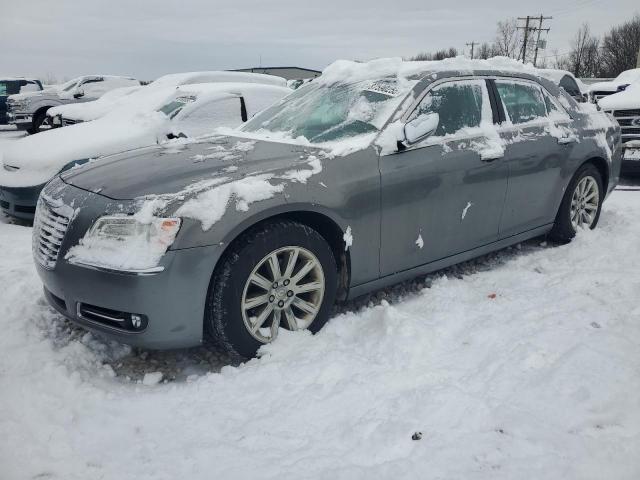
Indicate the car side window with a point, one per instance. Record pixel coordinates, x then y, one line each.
523 101
458 104
555 111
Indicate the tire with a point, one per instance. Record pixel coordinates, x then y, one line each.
564 229
38 121
228 321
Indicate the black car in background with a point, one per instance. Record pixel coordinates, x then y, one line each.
12 86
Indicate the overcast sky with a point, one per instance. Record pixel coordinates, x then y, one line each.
147 38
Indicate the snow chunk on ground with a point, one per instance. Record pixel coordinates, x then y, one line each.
209 206
152 378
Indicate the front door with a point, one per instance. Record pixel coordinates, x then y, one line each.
443 195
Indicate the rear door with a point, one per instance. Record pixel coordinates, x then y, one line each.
538 140
443 195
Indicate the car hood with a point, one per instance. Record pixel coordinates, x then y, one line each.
626 100
177 166
35 159
610 86
50 93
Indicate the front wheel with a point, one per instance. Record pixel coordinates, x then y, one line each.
581 204
40 123
280 275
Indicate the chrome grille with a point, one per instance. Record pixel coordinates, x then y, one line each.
49 227
629 121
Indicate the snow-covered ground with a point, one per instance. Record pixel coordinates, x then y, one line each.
521 364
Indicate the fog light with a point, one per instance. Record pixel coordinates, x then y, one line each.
136 320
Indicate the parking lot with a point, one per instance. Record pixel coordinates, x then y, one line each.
520 364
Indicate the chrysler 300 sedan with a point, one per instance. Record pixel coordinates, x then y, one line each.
369 175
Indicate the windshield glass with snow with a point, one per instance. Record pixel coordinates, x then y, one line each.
322 113
172 108
69 85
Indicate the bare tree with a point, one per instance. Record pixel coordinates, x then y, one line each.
486 50
507 38
439 55
584 58
620 48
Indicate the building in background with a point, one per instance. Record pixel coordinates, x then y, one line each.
288 73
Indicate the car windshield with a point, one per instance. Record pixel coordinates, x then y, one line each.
69 85
322 113
172 108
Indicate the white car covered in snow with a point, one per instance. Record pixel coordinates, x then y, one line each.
156 117
84 112
602 89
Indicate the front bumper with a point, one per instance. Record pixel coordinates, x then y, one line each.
172 302
19 119
20 202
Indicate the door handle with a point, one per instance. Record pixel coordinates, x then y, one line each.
567 140
491 156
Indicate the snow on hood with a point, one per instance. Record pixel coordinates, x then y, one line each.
627 99
625 78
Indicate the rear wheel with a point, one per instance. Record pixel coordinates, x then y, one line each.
581 204
40 123
279 275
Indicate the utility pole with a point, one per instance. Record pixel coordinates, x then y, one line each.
527 28
472 44
540 29
523 52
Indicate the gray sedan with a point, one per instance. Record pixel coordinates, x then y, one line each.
361 179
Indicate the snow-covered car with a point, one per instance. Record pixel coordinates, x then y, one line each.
28 111
12 86
565 79
73 113
157 116
83 112
373 173
625 107
600 90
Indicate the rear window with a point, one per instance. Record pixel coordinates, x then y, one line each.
523 102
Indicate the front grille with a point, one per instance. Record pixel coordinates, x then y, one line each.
49 228
629 121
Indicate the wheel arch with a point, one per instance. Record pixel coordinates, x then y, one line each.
603 167
312 216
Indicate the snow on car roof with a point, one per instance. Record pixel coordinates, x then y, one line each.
347 71
186 78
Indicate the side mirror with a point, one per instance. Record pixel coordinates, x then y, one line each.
78 93
421 127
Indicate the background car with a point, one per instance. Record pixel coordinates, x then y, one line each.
624 106
83 112
156 116
373 173
12 86
28 111
564 79
600 90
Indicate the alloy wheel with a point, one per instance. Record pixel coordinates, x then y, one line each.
584 203
286 289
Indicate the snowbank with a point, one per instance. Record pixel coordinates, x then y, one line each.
521 365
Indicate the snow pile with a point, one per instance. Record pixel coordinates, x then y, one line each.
521 365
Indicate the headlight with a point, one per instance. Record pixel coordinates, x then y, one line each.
123 243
